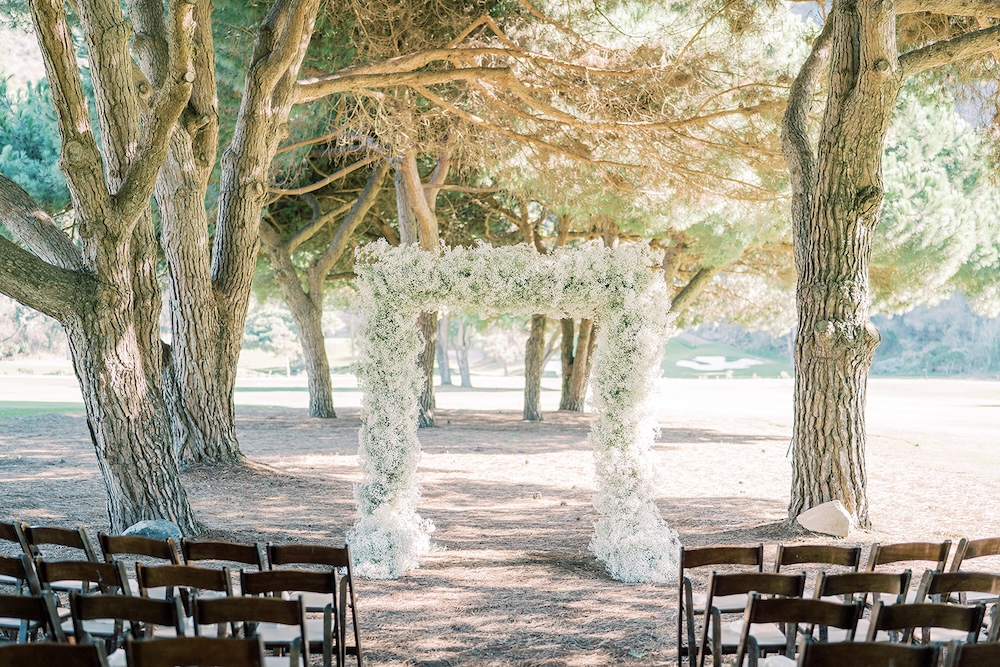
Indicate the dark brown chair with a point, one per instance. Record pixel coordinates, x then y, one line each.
906 618
866 654
39 537
338 561
772 624
186 582
81 576
967 550
279 623
18 572
327 633
195 652
44 653
30 617
56 543
975 655
136 546
196 551
817 554
142 614
934 556
719 639
857 587
963 587
691 603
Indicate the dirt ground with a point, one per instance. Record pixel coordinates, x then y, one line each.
511 581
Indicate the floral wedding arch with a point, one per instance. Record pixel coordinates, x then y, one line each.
616 286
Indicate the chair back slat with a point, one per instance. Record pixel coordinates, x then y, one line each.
976 655
307 554
10 531
43 653
19 568
906 618
186 576
722 555
215 611
195 652
945 583
71 538
214 550
866 654
826 554
107 576
971 549
850 584
765 583
279 581
37 609
115 546
803 611
928 552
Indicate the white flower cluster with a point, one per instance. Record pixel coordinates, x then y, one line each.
615 286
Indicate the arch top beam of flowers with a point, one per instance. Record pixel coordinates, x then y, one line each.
619 287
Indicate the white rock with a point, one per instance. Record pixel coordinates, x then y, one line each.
830 518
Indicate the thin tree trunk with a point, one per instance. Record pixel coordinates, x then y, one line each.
576 361
428 328
534 354
444 367
462 353
310 324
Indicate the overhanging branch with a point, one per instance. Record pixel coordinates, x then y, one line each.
948 51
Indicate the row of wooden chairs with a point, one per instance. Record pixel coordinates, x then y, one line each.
883 587
334 596
188 651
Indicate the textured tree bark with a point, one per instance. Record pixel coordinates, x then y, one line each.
836 200
577 353
534 354
443 341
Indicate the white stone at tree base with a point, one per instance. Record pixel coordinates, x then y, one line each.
830 518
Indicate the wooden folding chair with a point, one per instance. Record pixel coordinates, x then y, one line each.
18 572
965 588
691 603
326 633
198 551
906 618
195 652
11 532
143 616
933 554
975 655
280 624
186 582
967 550
866 654
55 543
27 617
719 639
44 653
857 587
772 625
82 576
138 549
338 561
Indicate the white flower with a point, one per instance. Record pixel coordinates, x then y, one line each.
616 286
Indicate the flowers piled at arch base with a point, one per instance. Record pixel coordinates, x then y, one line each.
615 286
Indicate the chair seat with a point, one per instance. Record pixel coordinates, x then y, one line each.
889 598
945 635
772 661
316 601
275 661
835 635
117 658
7 623
767 635
98 627
724 603
274 634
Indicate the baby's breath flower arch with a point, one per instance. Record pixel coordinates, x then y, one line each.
616 286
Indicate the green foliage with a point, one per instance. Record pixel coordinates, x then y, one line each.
29 138
271 328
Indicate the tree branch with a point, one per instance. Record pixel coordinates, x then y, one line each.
27 221
337 175
55 291
437 179
794 126
322 267
978 8
686 296
948 51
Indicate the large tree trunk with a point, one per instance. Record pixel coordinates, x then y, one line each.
534 355
444 366
577 353
836 202
142 478
428 329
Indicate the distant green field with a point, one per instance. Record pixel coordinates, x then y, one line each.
718 360
27 408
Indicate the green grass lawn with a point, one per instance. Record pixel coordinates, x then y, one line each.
678 349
